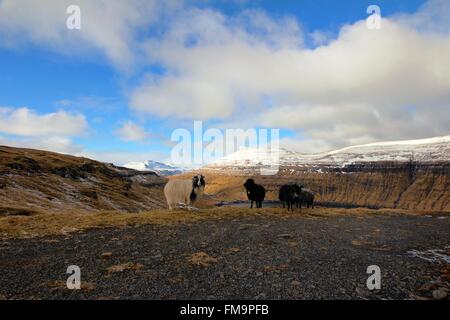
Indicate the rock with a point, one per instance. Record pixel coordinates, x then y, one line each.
261 296
106 255
295 283
440 293
361 292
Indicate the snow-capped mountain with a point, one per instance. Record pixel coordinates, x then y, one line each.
420 151
158 167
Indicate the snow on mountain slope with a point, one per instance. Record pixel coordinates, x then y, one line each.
423 151
158 167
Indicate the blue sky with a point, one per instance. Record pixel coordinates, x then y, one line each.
124 89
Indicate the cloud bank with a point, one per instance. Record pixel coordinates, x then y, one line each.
255 69
365 85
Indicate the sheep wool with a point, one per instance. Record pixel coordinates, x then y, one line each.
184 192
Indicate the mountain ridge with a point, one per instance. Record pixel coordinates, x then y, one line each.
421 150
161 168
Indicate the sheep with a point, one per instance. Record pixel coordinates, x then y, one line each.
290 194
307 197
255 192
184 192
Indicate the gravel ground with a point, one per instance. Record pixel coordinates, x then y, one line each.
251 258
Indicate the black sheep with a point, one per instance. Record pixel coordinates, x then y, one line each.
255 192
290 194
307 197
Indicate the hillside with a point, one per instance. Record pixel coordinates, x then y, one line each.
410 174
33 181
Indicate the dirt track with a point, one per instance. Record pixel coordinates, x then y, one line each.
250 258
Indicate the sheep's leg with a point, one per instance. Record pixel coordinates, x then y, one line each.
187 203
251 204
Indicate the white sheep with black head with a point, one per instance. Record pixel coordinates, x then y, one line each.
184 192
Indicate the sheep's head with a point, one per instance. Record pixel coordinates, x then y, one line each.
249 184
296 190
198 182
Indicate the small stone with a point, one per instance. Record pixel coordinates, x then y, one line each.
295 283
261 296
106 255
285 236
361 292
440 294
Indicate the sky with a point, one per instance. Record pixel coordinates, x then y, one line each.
116 89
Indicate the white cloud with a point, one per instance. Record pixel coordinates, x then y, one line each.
130 131
212 62
320 38
363 86
27 123
55 144
108 26
24 128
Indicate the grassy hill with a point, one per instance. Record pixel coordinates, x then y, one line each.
33 181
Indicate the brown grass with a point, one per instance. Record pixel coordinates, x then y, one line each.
125 267
70 222
201 259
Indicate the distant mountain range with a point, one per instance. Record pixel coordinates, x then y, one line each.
411 174
160 168
432 150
